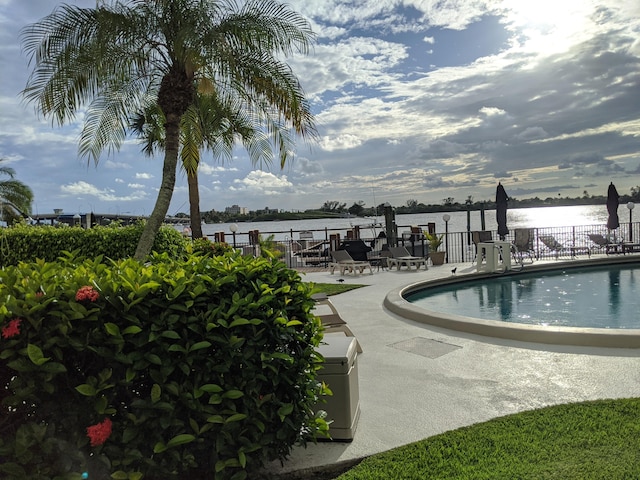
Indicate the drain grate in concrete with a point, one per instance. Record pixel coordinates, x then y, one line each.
425 346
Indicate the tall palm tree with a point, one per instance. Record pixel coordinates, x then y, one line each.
15 196
121 58
214 123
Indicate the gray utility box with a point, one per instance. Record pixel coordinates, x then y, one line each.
340 373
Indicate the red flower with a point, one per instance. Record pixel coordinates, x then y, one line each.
87 293
39 294
99 433
12 329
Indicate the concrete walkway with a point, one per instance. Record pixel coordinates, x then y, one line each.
454 379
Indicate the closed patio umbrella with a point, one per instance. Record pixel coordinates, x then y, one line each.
613 200
501 211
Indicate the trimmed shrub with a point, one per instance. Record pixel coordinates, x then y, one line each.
203 246
27 243
125 370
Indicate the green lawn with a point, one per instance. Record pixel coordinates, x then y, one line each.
585 441
333 288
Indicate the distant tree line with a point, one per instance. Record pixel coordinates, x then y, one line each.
335 208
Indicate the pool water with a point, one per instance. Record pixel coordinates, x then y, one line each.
599 297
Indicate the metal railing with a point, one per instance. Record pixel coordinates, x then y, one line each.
459 246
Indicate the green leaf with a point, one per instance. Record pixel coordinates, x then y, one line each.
159 447
292 323
170 334
233 394
112 329
211 388
156 391
53 367
4 354
129 434
86 390
215 419
181 440
35 355
239 321
236 417
172 388
153 358
199 346
120 475
133 329
285 410
194 425
101 405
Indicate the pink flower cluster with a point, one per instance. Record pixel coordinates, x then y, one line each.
87 293
100 432
12 329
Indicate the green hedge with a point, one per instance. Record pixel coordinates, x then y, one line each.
30 242
158 370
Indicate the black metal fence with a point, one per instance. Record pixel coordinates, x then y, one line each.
459 246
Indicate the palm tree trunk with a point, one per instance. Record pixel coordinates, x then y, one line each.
194 206
151 228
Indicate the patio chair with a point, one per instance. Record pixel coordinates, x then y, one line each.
523 244
380 260
400 257
554 246
332 322
345 263
479 236
603 243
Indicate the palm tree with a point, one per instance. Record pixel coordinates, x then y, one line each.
214 123
15 196
123 58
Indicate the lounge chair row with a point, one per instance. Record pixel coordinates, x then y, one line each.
393 257
524 244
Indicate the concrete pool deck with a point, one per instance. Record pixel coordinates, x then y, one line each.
418 380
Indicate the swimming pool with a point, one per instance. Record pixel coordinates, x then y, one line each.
594 297
586 302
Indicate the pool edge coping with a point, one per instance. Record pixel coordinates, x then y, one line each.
395 302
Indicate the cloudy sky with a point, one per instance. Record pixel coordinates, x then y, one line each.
414 99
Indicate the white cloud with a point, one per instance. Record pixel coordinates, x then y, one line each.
107 195
341 142
206 169
263 183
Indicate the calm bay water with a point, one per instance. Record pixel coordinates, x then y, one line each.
516 218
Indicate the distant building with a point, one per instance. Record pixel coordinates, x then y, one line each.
267 211
236 210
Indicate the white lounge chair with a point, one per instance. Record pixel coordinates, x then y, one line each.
400 257
345 263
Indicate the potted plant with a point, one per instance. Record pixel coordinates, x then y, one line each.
434 240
